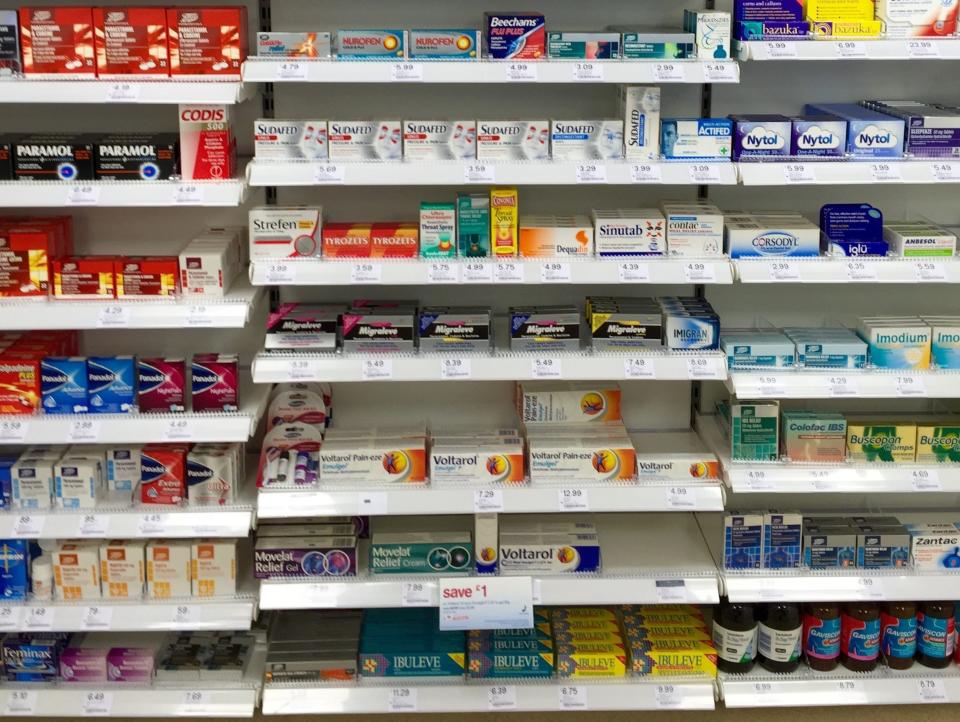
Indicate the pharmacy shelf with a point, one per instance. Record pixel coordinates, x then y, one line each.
625 271
844 383
848 270
785 477
275 367
115 194
144 92
664 559
849 172
280 70
231 311
138 428
806 688
850 49
389 696
486 173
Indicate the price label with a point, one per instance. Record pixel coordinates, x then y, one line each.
178 430
923 49
765 688
573 697
554 272
589 72
699 272
852 690
946 172
441 272
83 195
10 618
861 271
402 699
799 173
671 591
300 370
194 701
633 272
123 93
39 619
292 70
931 271
478 172
455 368
591 173
501 697
720 72
646 173
932 690
886 173
365 273
416 594
669 696
487 500
706 369
83 431
377 369
850 49
188 194
113 317
28 526
508 272
407 72
681 497
639 368
185 615
784 271
546 368
97 704
778 49
869 588
21 703
670 72
477 272
925 480
841 386
199 316
704 173
328 173
96 618
152 525
521 73
758 480
573 499
13 430
372 503
771 386
280 273
910 386
93 526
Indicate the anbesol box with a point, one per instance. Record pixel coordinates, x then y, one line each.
121 569
168 569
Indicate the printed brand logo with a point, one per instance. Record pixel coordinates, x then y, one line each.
126 151
277 224
150 378
574 129
718 131
514 22
204 379
435 128
202 115
504 201
763 138
775 243
189 17
277 129
816 138
901 338
873 137
101 378
337 129
41 15
486 129
38 151
117 16
614 229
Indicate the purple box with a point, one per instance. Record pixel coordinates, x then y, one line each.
215 382
130 664
932 131
161 384
83 664
761 136
297 557
768 10
773 30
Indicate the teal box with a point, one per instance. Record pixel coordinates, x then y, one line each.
583 46
540 630
510 645
473 225
438 228
507 663
659 46
414 642
412 664
421 553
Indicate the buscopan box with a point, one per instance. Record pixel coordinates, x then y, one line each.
365 139
513 139
586 139
439 139
290 139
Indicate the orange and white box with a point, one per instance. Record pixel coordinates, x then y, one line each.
555 236
207 40
568 403
348 240
285 232
587 458
76 571
168 569
478 461
395 240
214 568
208 148
121 569
131 42
80 277
57 41
380 459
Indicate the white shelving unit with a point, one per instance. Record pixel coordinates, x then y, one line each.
848 270
231 311
153 92
849 172
846 383
666 548
850 49
121 194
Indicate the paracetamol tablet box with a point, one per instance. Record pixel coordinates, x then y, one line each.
290 139
630 232
76 482
285 232
365 139
639 107
57 40
513 140
586 139
131 42
566 403
32 482
439 139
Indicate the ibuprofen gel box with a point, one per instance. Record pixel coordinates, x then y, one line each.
480 462
549 553
592 458
374 460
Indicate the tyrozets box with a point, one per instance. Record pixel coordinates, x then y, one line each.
130 41
136 156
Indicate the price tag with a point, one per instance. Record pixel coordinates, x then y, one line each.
178 430
704 173
39 619
669 696
850 49
554 272
546 368
455 368
292 70
328 173
415 594
852 690
508 272
670 72
861 271
646 173
83 431
365 273
931 271
521 73
477 272
21 703
486 602
280 273
926 480
869 588
946 172
591 173
13 430
886 173
633 272
923 49
199 316
28 526
765 688
784 271
188 194
10 618
185 615
83 195
113 317
442 272
97 704
478 172
639 368
377 369
573 697
841 386
501 697
771 386
589 72
911 386
300 370
407 72
720 72
671 591
706 369
402 699
681 497
799 173
932 690
194 702
758 480
152 525
96 618
372 503
573 499
123 93
777 49
93 526
487 500
699 272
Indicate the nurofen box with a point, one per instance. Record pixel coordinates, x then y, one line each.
365 139
593 458
633 232
447 44
83 277
513 140
57 41
76 571
161 384
137 276
207 40
285 232
130 41
122 569
51 156
549 553
478 462
586 139
514 36
168 568
380 460
553 236
439 139
311 556
880 440
421 553
294 45
290 139
639 106
373 44
568 403
504 221
9 49
208 148
213 565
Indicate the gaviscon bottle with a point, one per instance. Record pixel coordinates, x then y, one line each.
935 634
898 634
821 636
860 636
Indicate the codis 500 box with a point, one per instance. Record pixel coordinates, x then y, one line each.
208 148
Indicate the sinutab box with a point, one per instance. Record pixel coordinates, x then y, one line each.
129 156
53 157
57 41
130 41
207 40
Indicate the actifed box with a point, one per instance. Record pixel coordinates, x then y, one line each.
131 41
57 41
696 138
207 41
208 148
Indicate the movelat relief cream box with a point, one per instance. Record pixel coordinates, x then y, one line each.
421 553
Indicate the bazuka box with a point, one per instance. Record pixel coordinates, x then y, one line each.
129 156
285 232
53 157
549 554
513 140
130 42
421 553
567 458
365 139
207 40
439 139
586 139
376 460
565 403
208 148
57 40
83 277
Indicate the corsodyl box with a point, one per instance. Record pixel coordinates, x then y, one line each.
365 139
439 139
760 236
586 139
513 139
290 139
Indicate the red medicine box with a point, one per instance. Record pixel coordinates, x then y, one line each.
147 276
207 40
84 277
57 41
163 471
19 381
131 42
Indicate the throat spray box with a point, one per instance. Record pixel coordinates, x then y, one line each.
208 148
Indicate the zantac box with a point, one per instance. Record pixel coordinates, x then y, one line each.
57 41
365 139
131 42
208 148
207 40
447 44
439 139
513 140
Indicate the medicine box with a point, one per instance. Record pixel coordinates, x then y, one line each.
629 232
639 106
77 481
591 458
894 345
919 239
514 36
769 236
810 436
168 569
213 565
76 571
473 225
761 136
504 222
352 140
829 547
570 402
290 139
32 482
486 543
586 139
934 547
63 384
870 134
421 553
509 140
938 441
549 553
438 230
818 136
583 46
444 44
375 460
653 44
782 540
747 349
696 138
694 230
309 44
881 440
311 555
742 541
479 462
917 18
754 432
549 328
285 232
555 236
883 547
122 569
9 47
712 30
464 329
439 139
372 44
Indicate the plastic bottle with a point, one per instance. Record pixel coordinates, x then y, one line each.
860 636
735 637
898 634
778 637
821 636
41 578
935 634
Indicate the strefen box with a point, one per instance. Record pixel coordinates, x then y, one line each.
696 138
882 547
374 44
213 567
742 541
568 403
782 540
819 437
917 18
32 483
444 44
818 136
629 232
827 547
486 543
168 569
747 349
381 460
639 106
694 230
869 134
712 30
285 232
473 225
290 139
548 328
761 136
309 44
479 462
9 45
286 557
365 140
592 458
933 546
439 139
919 239
421 553
754 432
880 440
76 571
513 140
550 553
586 139
122 569
583 45
555 236
464 329
438 230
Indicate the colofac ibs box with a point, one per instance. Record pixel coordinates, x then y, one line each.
207 40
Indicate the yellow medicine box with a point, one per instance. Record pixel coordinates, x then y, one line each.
504 221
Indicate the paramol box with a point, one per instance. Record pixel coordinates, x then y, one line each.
53 157
754 432
123 156
421 553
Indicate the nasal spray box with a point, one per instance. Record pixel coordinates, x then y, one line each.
639 106
208 148
586 139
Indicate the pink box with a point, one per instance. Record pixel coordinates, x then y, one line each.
215 382
161 384
208 148
86 665
130 664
